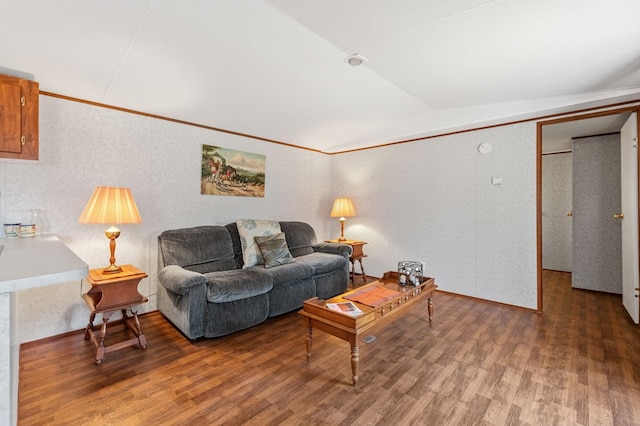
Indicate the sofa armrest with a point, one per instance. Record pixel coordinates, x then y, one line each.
340 249
180 280
182 299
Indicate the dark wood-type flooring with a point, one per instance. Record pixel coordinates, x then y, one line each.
479 363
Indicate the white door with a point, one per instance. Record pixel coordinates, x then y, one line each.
629 203
597 239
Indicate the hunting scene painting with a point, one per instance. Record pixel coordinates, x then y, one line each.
230 172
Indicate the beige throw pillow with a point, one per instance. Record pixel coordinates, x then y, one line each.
248 230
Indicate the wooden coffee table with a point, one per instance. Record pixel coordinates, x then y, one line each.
349 328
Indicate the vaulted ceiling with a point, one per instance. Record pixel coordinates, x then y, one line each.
276 69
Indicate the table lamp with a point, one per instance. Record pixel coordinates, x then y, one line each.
112 206
342 208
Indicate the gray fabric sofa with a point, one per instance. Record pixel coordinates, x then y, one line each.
204 291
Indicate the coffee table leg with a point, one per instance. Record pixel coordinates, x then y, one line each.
430 308
355 359
308 339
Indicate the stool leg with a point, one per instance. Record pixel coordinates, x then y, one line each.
353 271
141 339
87 335
364 276
125 318
101 337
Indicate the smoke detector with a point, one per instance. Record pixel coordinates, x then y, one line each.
355 60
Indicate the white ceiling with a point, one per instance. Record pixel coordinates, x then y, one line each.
275 68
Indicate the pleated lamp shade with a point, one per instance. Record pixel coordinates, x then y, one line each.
112 206
343 207
109 205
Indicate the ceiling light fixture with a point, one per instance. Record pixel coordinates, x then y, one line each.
355 60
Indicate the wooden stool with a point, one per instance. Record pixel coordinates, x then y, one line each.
110 293
356 255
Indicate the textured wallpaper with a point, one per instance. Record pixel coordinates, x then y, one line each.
83 146
435 201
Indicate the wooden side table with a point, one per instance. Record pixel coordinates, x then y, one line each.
356 256
110 293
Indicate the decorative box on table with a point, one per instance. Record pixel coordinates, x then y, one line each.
410 273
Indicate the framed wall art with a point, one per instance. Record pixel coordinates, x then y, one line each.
230 172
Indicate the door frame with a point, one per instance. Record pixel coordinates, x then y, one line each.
539 126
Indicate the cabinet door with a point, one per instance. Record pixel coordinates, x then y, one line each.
10 117
18 118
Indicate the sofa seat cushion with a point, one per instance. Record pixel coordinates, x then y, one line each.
286 297
323 263
227 286
221 319
287 273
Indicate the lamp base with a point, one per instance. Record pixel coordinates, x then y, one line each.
112 269
342 221
112 233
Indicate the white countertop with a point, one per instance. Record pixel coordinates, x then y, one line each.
37 262
26 263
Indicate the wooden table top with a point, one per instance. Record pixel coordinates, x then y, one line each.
406 296
97 276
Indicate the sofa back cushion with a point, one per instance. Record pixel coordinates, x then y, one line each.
232 228
201 249
300 237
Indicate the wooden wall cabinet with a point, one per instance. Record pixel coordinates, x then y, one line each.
18 118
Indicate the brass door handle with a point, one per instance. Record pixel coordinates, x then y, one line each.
618 216
570 213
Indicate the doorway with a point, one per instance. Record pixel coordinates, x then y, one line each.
554 137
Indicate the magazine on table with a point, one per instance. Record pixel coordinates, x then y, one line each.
348 308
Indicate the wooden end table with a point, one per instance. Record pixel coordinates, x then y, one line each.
110 293
356 256
316 314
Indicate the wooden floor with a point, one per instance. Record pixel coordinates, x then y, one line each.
479 363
